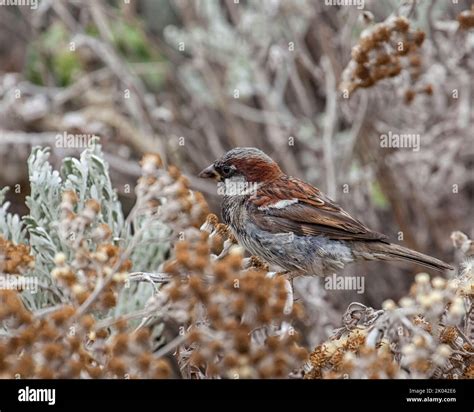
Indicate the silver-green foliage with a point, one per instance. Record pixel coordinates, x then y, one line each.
10 224
89 178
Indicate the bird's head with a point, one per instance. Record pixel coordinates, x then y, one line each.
244 164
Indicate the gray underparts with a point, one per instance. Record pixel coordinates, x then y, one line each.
317 255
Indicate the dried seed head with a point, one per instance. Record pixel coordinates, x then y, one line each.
419 37
422 278
69 196
117 366
60 259
93 205
401 24
150 162
466 19
120 344
162 369
142 336
87 322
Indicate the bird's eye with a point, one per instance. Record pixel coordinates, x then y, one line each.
226 170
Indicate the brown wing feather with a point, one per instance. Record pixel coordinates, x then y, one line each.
314 214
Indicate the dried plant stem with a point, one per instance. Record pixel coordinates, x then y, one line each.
329 126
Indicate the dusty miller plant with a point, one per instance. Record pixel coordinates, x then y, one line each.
89 178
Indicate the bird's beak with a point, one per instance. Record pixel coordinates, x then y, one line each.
209 173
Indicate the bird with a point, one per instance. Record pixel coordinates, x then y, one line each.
294 225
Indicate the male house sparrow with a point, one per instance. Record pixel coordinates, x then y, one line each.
292 224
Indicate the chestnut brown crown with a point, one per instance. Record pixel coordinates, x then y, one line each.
248 162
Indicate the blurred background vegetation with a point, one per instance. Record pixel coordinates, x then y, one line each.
192 79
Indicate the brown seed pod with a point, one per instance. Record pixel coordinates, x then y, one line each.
419 37
117 366
401 24
359 56
381 33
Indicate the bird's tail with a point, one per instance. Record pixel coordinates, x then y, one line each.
384 251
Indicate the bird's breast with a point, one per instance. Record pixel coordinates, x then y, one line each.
234 212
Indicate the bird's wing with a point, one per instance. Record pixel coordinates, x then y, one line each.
291 205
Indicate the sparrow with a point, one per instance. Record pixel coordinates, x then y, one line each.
292 224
